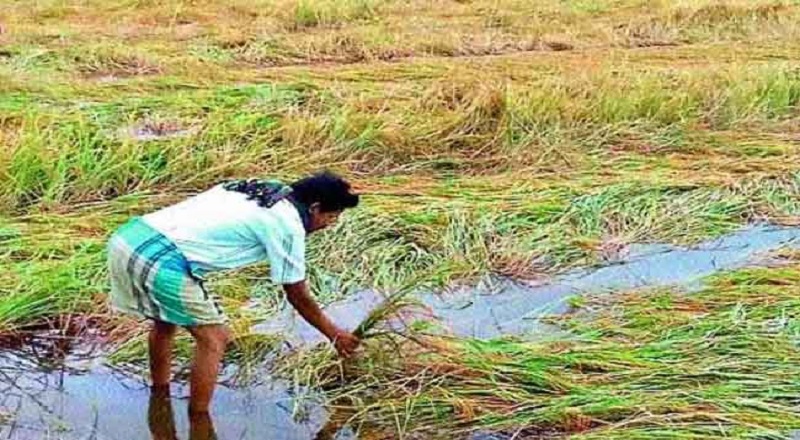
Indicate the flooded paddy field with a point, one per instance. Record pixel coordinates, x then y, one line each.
593 204
63 387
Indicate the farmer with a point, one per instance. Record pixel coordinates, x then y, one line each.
157 264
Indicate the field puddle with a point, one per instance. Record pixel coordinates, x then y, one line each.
507 307
80 398
71 394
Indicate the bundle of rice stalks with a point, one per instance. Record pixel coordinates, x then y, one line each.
652 364
391 308
384 327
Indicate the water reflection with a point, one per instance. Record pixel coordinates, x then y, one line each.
161 421
160 418
77 396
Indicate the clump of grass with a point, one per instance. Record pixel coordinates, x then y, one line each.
320 366
549 126
714 14
641 365
390 309
32 296
101 59
710 22
309 14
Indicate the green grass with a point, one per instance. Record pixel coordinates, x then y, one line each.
66 152
322 13
462 236
654 364
465 232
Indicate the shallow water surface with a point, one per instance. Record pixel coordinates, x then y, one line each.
80 398
507 307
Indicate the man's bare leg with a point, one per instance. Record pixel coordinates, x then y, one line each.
210 343
162 335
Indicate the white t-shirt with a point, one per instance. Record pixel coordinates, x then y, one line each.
220 229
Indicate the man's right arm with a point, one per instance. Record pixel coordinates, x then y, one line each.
297 294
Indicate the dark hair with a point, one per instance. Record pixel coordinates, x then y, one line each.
326 188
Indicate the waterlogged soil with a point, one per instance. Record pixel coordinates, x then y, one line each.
52 391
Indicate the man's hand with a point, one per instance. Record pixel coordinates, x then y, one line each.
345 343
297 294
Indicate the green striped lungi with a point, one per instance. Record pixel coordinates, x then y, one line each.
150 278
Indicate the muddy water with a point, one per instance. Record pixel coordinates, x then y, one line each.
47 395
